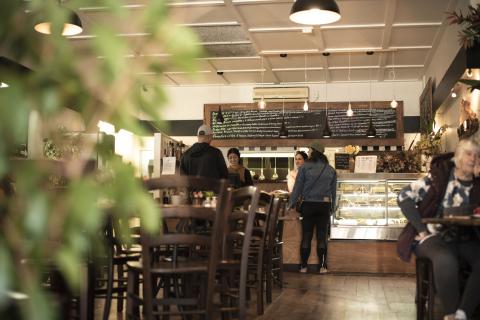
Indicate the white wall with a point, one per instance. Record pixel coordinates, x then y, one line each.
186 102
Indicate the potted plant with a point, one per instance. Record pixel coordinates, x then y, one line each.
469 35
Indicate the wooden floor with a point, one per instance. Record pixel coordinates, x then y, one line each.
333 297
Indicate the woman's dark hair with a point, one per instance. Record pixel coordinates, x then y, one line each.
233 150
237 152
316 156
303 154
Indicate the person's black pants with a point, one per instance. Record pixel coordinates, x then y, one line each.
316 215
445 260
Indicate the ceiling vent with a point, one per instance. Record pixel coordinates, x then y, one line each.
280 93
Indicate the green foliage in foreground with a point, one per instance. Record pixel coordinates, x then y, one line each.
44 226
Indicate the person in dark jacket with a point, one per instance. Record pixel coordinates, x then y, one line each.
316 182
239 175
449 184
202 159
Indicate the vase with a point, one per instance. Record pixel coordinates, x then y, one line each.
351 164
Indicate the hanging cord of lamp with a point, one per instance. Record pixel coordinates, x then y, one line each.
262 104
349 110
283 132
371 131
71 26
315 12
394 102
305 105
327 133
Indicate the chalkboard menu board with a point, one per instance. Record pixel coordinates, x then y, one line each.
342 161
247 124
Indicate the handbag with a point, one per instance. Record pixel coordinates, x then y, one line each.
300 199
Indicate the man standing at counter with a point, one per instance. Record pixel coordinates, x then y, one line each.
202 159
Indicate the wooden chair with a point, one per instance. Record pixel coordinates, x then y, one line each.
425 290
277 250
179 264
270 243
236 251
118 255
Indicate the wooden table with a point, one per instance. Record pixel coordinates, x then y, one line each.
454 221
462 221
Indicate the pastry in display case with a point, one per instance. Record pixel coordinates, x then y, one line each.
366 207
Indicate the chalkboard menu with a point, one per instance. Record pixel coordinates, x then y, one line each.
342 161
254 127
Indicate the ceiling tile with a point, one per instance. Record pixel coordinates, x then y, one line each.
220 33
352 38
420 11
264 15
244 77
298 76
403 73
236 64
201 78
296 61
278 41
230 50
404 57
355 75
201 14
356 59
371 12
412 36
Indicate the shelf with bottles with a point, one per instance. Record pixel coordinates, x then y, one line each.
165 146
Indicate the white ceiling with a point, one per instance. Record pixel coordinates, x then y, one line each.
238 33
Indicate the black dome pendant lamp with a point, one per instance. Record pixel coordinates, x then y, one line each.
371 131
283 132
71 27
327 133
219 118
315 12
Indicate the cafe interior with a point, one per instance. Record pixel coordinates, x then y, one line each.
100 100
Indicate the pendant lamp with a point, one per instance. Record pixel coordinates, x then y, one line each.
349 110
71 27
315 12
262 104
371 131
327 133
394 102
283 132
219 118
305 105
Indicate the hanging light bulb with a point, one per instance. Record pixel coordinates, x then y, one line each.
394 102
305 106
283 132
469 72
371 131
453 94
262 104
349 110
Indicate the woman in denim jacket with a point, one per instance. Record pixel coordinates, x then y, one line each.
316 182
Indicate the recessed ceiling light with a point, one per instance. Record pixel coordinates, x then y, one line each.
3 85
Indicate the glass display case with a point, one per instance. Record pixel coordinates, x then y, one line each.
366 206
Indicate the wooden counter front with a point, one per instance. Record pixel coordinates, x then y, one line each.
346 256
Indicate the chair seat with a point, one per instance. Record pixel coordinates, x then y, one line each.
169 267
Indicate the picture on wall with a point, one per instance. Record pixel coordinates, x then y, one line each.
426 114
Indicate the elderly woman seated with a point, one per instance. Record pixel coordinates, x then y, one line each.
449 184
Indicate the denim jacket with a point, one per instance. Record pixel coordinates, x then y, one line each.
312 188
